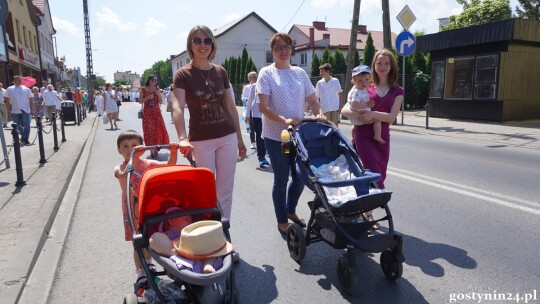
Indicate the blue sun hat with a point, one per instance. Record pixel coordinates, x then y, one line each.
361 69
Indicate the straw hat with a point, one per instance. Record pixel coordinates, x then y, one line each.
201 240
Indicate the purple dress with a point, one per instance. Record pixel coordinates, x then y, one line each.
374 155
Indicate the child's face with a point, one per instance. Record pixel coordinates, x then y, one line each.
126 146
178 223
362 81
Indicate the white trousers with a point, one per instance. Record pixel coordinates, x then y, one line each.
219 155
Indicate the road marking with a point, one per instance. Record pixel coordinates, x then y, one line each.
438 183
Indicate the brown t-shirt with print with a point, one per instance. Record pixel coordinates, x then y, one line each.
205 98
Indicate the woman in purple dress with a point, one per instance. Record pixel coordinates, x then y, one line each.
388 97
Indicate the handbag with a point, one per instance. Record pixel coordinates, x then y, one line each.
140 113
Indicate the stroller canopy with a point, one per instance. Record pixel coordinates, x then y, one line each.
177 185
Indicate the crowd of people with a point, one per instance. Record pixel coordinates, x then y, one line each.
275 98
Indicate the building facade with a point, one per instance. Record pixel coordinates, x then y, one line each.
49 68
21 41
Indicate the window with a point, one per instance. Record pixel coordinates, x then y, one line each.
459 78
437 79
269 57
24 34
303 59
485 77
18 31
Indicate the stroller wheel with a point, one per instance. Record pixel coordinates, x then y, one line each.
391 267
345 275
296 242
131 298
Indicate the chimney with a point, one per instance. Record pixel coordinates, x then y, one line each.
320 25
362 29
311 36
326 39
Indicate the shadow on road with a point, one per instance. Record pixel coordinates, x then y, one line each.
422 254
254 284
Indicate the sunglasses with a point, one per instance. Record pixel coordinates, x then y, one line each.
197 41
279 47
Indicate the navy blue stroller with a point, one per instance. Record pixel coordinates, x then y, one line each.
341 225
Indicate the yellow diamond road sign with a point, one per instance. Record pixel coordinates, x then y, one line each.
406 17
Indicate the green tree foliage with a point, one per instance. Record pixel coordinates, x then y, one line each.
315 64
356 59
326 56
251 66
232 70
163 70
240 76
238 67
530 9
99 82
477 12
369 51
244 64
339 66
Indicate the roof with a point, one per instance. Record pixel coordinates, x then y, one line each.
340 38
224 29
506 30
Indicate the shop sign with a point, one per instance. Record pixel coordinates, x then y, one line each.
29 57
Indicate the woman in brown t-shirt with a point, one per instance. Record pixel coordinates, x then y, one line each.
214 138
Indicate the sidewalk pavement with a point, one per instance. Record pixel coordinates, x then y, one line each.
28 212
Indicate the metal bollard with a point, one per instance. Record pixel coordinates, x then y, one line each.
17 150
39 124
55 135
427 114
63 123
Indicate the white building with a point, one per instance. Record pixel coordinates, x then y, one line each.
250 31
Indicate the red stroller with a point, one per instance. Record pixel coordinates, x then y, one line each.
194 190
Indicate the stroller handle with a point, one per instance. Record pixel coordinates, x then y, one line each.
158 148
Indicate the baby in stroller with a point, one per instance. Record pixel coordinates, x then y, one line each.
169 230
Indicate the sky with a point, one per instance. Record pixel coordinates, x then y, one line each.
131 35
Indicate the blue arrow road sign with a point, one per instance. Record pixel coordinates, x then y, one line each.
405 43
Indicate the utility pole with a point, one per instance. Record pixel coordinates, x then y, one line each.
89 64
387 34
352 51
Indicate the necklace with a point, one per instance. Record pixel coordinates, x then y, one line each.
205 79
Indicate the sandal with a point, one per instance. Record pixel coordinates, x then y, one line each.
141 284
283 232
297 220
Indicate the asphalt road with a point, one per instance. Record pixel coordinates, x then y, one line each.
468 213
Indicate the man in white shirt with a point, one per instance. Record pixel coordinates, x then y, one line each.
249 127
50 98
3 109
329 91
20 105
